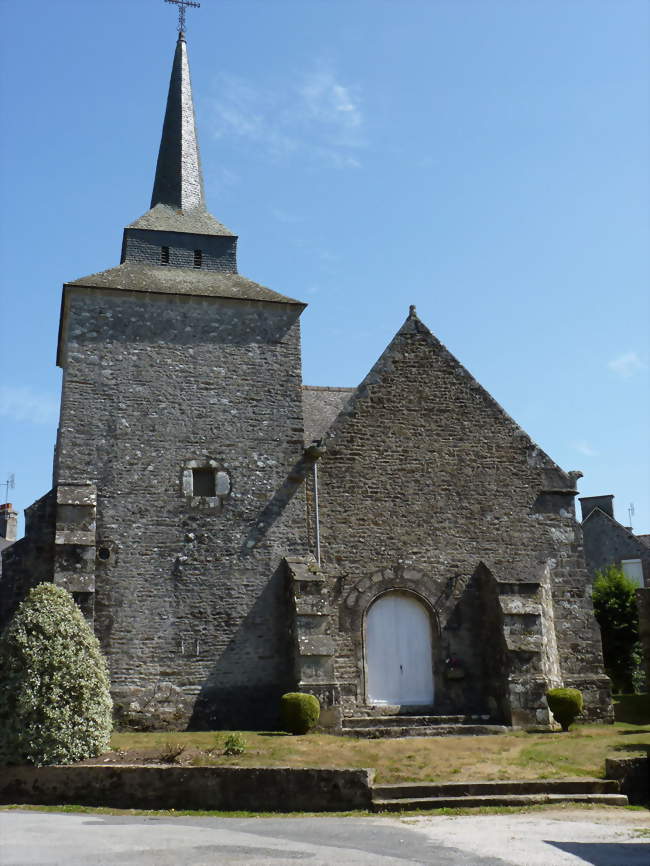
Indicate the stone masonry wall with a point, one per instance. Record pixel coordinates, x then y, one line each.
30 560
190 602
425 475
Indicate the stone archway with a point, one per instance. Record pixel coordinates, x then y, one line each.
399 651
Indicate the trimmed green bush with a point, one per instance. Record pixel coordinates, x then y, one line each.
565 704
299 713
55 705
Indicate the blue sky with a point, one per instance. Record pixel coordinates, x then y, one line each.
486 161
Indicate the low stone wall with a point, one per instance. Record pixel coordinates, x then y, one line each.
633 775
223 788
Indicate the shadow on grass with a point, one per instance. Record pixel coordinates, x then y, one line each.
633 747
273 734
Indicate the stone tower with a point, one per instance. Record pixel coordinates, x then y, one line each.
181 420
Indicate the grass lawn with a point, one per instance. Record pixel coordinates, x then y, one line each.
517 755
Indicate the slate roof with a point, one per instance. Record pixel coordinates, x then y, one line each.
157 279
164 218
320 407
179 179
644 540
178 198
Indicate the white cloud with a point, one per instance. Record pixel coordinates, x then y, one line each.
586 449
23 403
626 365
315 115
330 103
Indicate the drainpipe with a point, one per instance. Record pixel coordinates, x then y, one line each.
316 513
314 452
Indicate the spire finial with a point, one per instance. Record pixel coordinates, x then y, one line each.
182 6
412 312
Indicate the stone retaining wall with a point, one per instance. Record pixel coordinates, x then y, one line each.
224 788
633 775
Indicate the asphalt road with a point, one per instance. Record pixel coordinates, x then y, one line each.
600 838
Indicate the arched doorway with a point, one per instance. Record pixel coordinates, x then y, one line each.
398 651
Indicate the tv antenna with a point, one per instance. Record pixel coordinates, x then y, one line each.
630 514
8 485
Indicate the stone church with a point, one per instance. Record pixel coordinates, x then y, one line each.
402 547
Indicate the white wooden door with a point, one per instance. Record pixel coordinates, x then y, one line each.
398 651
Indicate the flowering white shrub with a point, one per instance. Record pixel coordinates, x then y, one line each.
55 705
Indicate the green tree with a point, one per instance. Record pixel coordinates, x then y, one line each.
614 597
55 705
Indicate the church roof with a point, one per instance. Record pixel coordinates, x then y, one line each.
320 406
178 198
164 218
136 277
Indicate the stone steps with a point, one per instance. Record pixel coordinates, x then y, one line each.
515 800
408 796
400 720
425 731
375 727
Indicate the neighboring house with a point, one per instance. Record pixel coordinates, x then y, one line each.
232 534
608 542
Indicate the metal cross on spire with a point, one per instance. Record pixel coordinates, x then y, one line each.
182 5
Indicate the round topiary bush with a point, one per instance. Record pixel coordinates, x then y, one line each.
299 713
55 705
565 704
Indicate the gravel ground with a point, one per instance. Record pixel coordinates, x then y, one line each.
601 837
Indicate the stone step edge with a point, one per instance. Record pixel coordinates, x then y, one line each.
495 800
425 731
408 721
415 790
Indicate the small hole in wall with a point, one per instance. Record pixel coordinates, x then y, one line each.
164 255
203 482
104 553
198 258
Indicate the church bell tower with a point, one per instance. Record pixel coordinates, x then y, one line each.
181 423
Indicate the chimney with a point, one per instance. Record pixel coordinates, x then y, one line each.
8 522
605 503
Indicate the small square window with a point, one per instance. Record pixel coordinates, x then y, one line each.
203 482
633 570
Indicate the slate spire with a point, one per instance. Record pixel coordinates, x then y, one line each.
179 179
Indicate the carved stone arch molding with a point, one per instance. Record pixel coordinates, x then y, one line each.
441 594
361 594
